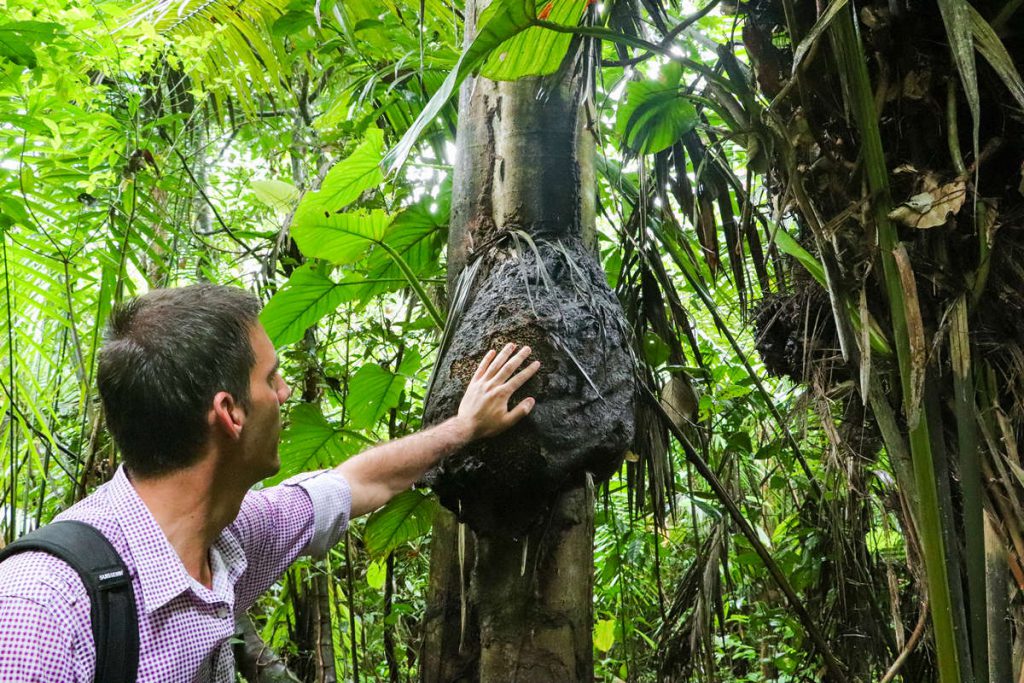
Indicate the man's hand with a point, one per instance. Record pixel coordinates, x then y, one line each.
376 475
484 408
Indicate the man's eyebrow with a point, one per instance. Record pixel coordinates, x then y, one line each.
273 370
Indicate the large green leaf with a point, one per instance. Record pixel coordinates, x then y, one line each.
420 232
311 442
417 235
345 238
654 116
341 238
17 38
351 176
405 518
277 194
536 51
307 297
373 391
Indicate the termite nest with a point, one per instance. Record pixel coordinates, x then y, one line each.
553 297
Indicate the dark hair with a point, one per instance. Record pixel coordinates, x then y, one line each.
167 353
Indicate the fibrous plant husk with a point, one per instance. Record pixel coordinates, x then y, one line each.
553 297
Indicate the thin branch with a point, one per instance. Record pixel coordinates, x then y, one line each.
915 637
202 193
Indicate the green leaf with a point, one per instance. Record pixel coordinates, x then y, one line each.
376 575
993 50
341 238
347 237
604 634
277 194
418 236
292 21
13 211
310 442
307 297
790 246
372 391
536 51
654 116
956 17
350 177
17 38
405 518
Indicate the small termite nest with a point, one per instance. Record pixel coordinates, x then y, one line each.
551 296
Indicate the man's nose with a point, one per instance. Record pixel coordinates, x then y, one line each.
283 391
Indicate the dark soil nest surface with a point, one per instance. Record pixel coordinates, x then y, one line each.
794 331
553 297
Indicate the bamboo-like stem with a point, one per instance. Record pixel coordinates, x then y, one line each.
350 596
10 533
997 583
970 483
945 613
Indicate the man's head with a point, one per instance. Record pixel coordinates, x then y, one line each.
167 355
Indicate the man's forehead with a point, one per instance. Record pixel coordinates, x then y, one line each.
262 347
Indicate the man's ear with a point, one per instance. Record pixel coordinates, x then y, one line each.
226 415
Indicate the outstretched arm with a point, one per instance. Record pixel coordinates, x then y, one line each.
377 475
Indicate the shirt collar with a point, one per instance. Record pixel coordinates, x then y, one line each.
161 573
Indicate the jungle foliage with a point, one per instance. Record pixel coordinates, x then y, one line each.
810 214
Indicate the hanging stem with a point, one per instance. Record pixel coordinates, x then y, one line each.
12 497
769 400
354 646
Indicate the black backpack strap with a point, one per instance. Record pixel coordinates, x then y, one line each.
115 624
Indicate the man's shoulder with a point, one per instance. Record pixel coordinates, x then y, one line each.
48 580
45 580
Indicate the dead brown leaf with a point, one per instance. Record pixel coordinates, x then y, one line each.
932 207
915 336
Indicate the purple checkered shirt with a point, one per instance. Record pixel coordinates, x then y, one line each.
184 627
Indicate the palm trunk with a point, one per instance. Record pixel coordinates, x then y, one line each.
503 609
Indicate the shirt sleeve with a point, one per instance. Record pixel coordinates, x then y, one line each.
306 514
34 647
37 625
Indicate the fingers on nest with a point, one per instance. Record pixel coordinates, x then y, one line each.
523 408
524 376
513 364
499 360
485 364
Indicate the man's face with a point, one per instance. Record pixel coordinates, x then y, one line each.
267 393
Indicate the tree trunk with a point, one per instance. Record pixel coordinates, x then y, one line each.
501 608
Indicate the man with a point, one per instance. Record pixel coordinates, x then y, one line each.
192 395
